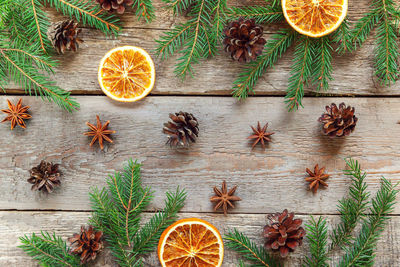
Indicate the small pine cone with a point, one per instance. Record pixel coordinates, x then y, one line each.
338 121
243 40
115 5
182 129
87 244
283 233
64 36
45 177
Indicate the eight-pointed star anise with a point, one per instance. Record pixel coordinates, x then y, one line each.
260 135
16 114
224 198
317 177
99 132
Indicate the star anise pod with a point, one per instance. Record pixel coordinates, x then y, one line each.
87 244
316 178
224 198
260 135
16 114
99 132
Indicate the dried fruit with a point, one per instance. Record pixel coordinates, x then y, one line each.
283 232
316 178
260 135
182 130
126 74
224 198
16 114
338 121
99 132
45 177
117 5
243 40
63 35
87 244
191 243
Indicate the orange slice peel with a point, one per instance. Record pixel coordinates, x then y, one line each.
191 243
315 18
126 73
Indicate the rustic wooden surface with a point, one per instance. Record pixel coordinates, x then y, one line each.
268 181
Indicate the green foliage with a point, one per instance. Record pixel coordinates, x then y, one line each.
322 63
197 38
384 16
261 14
361 253
318 239
274 48
49 250
258 256
353 207
117 210
144 9
342 36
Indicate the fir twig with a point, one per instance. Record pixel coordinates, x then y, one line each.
238 242
342 36
361 253
322 63
317 236
351 209
273 50
144 9
261 14
49 250
39 24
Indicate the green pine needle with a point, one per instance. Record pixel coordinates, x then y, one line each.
273 50
322 63
144 9
241 244
342 36
317 236
302 67
261 14
117 212
49 250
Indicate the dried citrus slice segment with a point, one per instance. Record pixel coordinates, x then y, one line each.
315 18
191 243
126 73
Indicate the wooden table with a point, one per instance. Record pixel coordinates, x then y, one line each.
268 181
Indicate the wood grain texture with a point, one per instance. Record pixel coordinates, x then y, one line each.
269 180
353 74
16 224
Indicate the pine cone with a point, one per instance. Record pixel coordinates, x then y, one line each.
243 40
118 5
182 129
87 244
283 233
338 121
45 177
64 36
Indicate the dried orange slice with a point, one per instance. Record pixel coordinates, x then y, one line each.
126 73
191 243
315 18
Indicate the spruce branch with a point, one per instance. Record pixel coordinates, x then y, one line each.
179 6
88 13
322 63
38 25
361 253
317 236
262 14
304 56
273 50
144 9
352 208
49 250
241 244
342 36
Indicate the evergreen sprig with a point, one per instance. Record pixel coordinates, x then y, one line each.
197 38
117 210
49 250
240 243
144 9
261 14
317 236
353 207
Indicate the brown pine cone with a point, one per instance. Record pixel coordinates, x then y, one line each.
283 233
243 40
45 177
63 35
87 244
182 130
338 121
115 5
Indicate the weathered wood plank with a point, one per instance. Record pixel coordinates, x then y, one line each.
268 180
16 224
77 72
